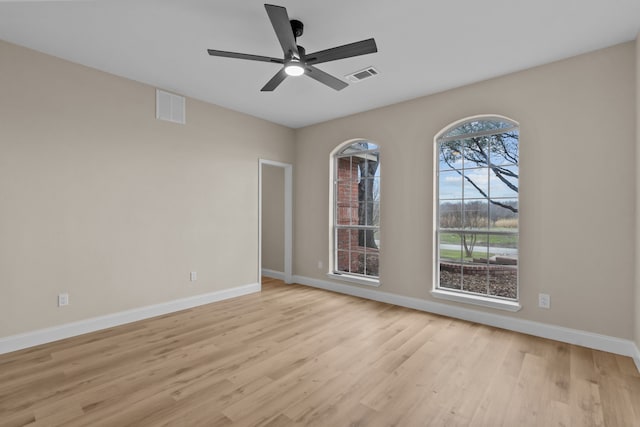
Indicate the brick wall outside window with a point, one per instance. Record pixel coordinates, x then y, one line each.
351 256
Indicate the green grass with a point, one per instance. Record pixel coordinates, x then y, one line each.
455 255
501 240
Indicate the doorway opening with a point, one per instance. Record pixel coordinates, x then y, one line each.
275 220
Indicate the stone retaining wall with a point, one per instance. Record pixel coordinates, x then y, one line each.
479 269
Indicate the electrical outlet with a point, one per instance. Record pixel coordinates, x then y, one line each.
544 300
193 276
63 299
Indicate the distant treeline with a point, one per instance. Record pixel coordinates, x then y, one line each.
475 213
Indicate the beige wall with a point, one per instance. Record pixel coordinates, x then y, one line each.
273 218
637 213
101 200
577 186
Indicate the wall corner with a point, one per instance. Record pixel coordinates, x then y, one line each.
637 211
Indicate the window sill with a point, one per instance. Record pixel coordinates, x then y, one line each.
477 300
354 279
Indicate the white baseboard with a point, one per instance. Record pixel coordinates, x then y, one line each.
571 336
636 357
273 274
42 336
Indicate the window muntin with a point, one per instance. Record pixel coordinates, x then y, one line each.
357 210
477 208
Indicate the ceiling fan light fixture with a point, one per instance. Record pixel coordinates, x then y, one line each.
294 68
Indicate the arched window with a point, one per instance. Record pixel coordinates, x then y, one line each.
356 211
477 176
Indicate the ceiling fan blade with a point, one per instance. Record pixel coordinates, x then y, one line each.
275 81
282 26
324 78
225 54
345 51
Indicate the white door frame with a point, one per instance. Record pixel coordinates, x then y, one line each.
288 218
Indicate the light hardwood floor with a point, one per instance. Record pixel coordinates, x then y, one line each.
294 355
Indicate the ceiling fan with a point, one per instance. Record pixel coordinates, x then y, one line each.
296 61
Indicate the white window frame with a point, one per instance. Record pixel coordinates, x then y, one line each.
334 273
461 295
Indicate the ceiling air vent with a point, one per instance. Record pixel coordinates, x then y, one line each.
361 75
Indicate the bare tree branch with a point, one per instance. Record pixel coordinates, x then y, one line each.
479 152
470 181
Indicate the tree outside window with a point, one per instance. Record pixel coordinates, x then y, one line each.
478 190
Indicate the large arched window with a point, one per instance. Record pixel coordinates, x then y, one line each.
356 211
477 176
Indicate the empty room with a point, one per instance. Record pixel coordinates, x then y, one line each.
232 213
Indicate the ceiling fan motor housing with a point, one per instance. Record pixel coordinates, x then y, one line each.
297 27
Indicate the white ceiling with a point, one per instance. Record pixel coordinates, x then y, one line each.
424 46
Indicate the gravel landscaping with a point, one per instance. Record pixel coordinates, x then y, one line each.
504 285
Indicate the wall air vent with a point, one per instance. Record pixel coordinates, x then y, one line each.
361 75
170 107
